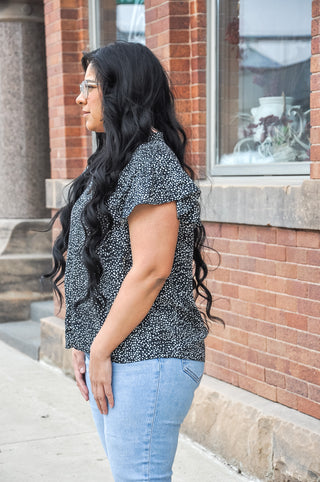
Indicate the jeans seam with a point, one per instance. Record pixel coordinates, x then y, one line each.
153 419
190 373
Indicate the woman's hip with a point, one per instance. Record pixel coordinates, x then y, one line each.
152 398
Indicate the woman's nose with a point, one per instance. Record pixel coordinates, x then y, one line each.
80 99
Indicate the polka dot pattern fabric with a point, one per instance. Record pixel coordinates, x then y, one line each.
173 328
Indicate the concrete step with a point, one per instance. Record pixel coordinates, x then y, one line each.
25 335
22 335
22 272
41 309
15 305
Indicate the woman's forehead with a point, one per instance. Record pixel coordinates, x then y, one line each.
90 73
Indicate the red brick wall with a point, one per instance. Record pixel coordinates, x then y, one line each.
268 293
268 281
176 33
315 91
66 27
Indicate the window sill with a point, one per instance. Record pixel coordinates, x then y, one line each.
287 202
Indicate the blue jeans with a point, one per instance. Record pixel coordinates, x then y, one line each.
140 433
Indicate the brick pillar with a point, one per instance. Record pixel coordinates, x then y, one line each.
315 92
176 33
198 41
66 27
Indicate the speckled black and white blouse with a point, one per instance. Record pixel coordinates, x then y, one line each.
173 326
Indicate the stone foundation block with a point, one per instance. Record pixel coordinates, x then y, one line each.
52 344
261 438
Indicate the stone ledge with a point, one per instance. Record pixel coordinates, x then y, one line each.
287 206
294 206
262 438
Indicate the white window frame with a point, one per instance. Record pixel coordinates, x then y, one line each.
301 169
94 29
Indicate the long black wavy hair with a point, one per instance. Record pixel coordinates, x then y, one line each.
136 98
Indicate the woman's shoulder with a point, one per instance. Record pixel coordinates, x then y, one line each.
154 175
154 153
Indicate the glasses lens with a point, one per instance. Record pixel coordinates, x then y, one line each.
84 89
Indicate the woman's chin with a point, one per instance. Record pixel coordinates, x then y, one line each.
93 128
89 125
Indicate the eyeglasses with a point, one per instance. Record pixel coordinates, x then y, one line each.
86 85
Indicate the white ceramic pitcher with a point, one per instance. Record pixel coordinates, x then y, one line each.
271 106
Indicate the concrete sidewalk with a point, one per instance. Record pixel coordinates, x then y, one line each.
47 433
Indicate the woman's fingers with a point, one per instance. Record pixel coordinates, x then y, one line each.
101 383
100 398
108 383
109 395
103 396
82 386
79 368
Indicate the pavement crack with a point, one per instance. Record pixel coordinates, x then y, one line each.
6 444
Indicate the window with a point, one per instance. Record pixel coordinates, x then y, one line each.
112 20
259 86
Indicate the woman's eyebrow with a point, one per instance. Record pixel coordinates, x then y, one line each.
90 80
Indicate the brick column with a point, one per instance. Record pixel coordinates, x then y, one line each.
198 42
315 92
66 27
176 33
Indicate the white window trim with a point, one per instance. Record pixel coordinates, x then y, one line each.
94 40
213 169
94 19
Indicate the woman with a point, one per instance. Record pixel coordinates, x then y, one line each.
132 231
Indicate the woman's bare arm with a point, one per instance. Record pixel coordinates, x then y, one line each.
153 236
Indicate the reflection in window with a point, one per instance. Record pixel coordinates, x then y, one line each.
130 21
264 81
121 20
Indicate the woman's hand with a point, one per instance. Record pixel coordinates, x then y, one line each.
79 368
100 370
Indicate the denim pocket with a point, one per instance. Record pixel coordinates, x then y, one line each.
194 369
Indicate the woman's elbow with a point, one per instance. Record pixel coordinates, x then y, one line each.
157 275
160 279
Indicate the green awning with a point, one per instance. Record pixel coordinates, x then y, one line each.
130 2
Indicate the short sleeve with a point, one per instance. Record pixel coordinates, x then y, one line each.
155 176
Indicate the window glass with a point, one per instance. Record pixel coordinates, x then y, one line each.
263 80
113 20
